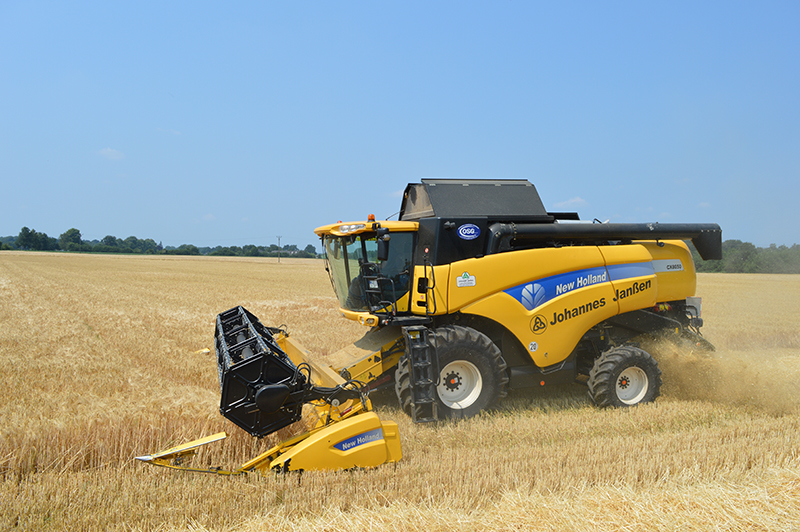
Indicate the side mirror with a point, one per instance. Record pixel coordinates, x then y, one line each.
383 243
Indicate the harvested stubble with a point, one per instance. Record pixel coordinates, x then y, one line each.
100 360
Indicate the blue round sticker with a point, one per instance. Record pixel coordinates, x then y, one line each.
469 231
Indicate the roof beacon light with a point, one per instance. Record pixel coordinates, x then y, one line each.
371 218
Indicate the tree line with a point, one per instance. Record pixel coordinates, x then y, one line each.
72 240
744 257
737 256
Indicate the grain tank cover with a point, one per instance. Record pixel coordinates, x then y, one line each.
506 199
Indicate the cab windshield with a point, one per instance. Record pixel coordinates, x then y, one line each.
347 256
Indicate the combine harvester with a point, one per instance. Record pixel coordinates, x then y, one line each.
476 289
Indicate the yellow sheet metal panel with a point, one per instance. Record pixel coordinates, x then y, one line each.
550 330
630 270
391 435
432 300
675 270
360 441
374 342
547 298
474 279
402 303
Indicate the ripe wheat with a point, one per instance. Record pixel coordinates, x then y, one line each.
102 359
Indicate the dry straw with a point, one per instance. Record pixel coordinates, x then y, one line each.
101 360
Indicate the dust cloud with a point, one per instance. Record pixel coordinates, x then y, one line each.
767 379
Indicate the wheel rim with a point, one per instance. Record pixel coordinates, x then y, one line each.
460 384
632 385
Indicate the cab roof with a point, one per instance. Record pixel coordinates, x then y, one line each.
506 199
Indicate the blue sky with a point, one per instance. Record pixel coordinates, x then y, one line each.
217 123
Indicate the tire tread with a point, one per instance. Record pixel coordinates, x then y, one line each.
602 377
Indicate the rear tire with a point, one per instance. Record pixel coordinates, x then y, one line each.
624 376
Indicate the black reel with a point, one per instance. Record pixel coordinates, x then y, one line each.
262 390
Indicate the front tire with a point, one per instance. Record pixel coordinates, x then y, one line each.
624 376
472 372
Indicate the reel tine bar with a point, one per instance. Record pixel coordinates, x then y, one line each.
254 374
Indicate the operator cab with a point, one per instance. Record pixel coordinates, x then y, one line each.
368 274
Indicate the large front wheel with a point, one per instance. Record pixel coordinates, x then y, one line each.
472 372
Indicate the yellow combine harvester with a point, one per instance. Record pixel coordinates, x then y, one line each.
475 290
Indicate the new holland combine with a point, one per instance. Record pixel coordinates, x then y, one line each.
475 290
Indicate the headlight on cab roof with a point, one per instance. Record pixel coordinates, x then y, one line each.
351 228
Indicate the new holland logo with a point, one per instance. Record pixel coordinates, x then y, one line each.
538 324
469 231
360 439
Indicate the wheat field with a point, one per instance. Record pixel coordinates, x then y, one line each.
101 360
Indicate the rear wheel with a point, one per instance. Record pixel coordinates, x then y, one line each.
624 376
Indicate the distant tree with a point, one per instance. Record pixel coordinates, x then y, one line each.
778 259
30 239
49 243
223 252
24 239
744 257
149 246
250 250
109 240
133 243
738 256
186 249
70 236
38 240
310 249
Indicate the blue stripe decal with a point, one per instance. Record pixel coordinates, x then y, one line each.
360 439
536 293
619 272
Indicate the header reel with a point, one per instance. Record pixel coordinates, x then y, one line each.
262 390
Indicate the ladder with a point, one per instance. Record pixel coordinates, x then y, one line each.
424 373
